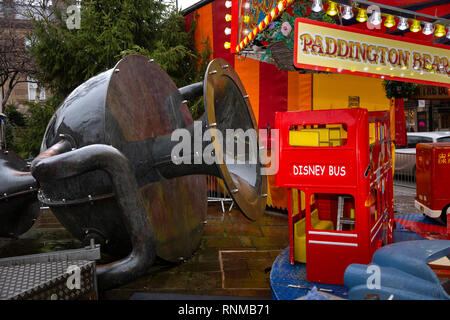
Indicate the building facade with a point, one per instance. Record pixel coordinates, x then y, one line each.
15 28
428 109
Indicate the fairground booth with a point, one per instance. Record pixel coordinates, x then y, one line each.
333 78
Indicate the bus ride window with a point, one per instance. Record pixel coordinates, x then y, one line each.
333 212
322 135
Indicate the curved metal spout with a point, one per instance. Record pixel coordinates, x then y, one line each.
19 207
116 165
192 91
60 147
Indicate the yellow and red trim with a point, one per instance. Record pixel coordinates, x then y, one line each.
275 13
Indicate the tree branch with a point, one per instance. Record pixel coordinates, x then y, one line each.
16 64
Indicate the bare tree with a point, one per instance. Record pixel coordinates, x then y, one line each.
37 9
16 64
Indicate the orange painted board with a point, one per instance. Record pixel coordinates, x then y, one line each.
204 30
248 71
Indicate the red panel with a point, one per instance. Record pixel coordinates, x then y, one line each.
318 267
219 24
234 25
326 204
399 3
273 94
439 11
400 123
188 21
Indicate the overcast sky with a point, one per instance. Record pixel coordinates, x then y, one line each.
183 4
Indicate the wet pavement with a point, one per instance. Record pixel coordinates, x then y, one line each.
404 200
234 257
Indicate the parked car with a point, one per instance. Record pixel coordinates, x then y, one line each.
405 157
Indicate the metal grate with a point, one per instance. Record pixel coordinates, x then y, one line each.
45 281
45 276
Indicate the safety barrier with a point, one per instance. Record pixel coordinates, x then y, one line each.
217 192
405 169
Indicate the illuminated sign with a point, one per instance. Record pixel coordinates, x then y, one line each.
326 47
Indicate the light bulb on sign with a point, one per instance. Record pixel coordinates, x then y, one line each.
227 45
227 31
228 4
348 12
375 18
415 26
317 6
428 29
332 9
390 21
440 31
403 23
228 17
362 15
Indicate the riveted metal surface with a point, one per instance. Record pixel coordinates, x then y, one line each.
127 107
228 107
142 104
19 207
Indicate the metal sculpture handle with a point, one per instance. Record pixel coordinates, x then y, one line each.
116 165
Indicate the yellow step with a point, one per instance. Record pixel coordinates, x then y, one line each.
300 234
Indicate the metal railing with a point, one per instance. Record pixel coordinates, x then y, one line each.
217 192
405 169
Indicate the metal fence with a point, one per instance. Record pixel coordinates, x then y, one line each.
217 192
405 169
2 132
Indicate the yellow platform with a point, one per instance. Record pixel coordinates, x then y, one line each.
300 234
